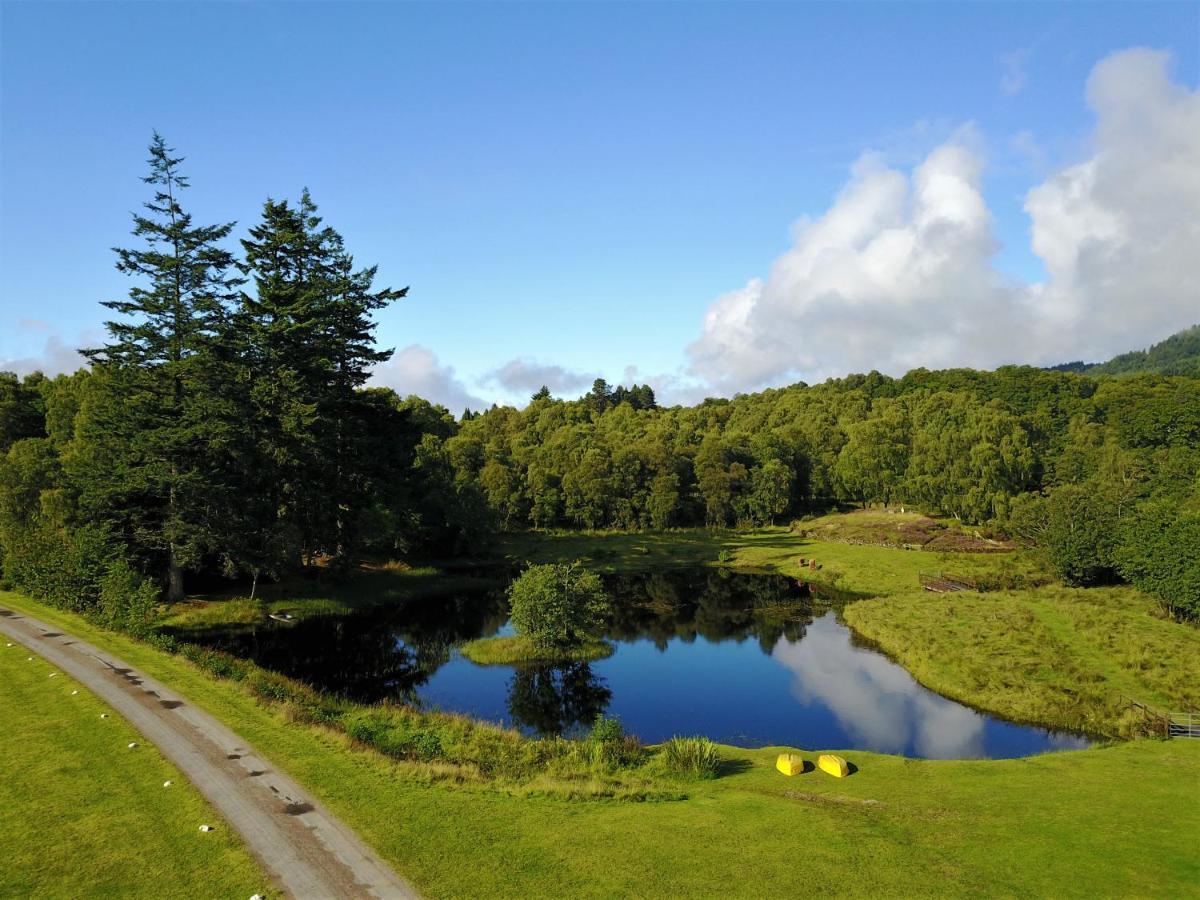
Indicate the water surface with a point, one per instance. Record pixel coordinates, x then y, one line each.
750 660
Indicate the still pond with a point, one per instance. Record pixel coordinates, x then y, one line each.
744 659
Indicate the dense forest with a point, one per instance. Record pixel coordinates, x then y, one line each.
226 428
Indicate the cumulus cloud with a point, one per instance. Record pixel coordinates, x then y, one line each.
896 274
899 271
56 356
527 376
416 370
1118 233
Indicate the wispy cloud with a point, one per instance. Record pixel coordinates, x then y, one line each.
1015 75
527 376
56 356
417 370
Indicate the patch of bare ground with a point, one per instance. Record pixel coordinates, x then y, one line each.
900 529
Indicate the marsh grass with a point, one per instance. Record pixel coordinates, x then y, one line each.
440 745
695 756
1058 657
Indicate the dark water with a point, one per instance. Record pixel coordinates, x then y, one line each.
750 660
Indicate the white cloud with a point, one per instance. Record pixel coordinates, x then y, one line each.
416 370
56 356
1014 76
527 376
899 273
1119 232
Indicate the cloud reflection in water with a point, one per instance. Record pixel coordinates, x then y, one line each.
876 700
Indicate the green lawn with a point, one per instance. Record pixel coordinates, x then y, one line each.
82 815
1106 821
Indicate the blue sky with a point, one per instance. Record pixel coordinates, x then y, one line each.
567 184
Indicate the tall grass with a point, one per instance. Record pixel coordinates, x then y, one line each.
1055 656
695 756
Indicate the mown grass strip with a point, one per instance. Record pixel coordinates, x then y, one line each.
82 814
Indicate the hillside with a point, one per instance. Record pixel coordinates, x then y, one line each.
1177 355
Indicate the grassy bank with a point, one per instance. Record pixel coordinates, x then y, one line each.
895 827
859 568
82 814
302 598
1056 656
516 649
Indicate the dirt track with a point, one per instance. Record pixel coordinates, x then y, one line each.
308 852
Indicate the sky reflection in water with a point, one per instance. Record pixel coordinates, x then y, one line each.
741 659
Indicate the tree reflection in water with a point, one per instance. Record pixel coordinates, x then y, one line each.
557 699
393 651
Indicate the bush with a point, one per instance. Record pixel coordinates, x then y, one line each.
127 600
609 746
64 569
556 606
695 756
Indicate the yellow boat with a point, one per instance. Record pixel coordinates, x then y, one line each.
789 764
834 765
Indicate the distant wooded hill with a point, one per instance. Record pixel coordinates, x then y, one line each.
1177 355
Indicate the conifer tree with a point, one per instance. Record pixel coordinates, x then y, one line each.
309 334
162 425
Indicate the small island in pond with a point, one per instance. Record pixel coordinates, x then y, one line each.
556 610
515 649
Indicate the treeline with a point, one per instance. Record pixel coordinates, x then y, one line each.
224 425
1073 463
225 428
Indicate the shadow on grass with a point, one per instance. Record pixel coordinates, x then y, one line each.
729 767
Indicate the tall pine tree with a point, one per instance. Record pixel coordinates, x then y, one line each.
162 429
309 333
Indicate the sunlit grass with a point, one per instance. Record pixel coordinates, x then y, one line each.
945 828
82 814
1055 656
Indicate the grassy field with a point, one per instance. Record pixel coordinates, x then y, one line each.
1048 655
1105 821
1054 656
81 814
855 567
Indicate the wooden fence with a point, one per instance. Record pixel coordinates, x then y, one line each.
944 584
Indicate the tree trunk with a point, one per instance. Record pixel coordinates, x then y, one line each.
174 580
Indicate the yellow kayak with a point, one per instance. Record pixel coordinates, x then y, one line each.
834 765
789 764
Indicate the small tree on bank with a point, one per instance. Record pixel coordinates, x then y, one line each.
557 606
